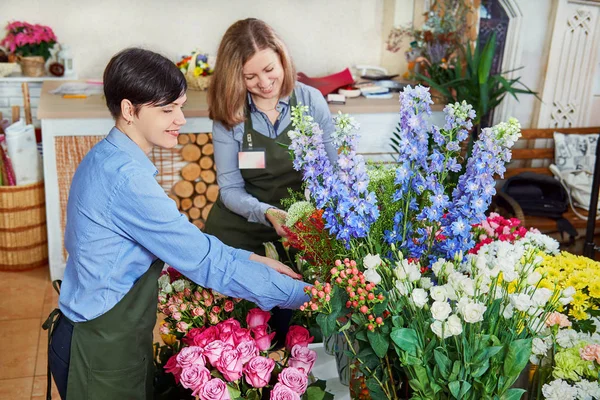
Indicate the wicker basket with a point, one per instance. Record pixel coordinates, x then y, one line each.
33 66
23 235
196 82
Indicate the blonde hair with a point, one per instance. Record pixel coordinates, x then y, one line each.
227 91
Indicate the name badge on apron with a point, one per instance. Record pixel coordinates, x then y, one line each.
251 158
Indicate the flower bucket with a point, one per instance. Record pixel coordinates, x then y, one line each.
32 66
196 82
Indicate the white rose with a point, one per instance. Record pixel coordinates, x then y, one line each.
438 293
541 297
569 292
499 293
467 286
419 297
473 312
508 311
534 278
425 283
454 325
178 285
372 261
520 301
450 292
462 303
438 328
440 310
400 270
413 273
372 276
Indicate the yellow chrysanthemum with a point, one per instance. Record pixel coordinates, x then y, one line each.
594 289
578 313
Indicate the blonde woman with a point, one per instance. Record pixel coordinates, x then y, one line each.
250 99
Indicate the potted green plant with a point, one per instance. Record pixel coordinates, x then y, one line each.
31 43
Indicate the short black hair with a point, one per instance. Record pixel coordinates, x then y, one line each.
142 77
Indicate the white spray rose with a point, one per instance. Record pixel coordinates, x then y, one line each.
372 261
541 297
438 293
534 278
425 283
454 325
440 310
438 266
520 301
401 287
508 311
509 275
438 328
473 312
419 297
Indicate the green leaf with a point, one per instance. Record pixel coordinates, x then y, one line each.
406 339
380 307
315 393
346 326
513 394
253 395
443 363
379 342
233 392
487 57
454 387
464 389
323 321
456 367
397 321
517 357
375 390
486 353
481 369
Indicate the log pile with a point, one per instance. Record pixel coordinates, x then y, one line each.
198 189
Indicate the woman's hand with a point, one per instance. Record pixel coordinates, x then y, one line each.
276 265
277 218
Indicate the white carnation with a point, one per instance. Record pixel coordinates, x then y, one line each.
440 310
540 346
559 390
372 261
178 285
567 338
587 390
419 297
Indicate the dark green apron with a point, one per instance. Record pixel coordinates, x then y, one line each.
269 185
112 355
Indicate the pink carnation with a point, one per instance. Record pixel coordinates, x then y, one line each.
559 319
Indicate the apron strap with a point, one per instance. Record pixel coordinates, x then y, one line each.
49 325
56 285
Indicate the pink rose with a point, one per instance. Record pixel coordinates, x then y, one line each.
176 316
194 376
297 335
247 350
191 335
241 335
182 327
213 318
282 392
172 367
210 334
164 330
213 351
295 379
183 307
257 317
228 307
198 312
258 371
230 365
215 389
262 338
302 358
190 356
229 325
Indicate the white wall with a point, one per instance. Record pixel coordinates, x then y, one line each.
324 36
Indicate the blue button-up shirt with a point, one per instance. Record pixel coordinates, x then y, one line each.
119 220
228 142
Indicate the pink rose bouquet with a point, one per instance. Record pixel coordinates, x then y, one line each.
228 361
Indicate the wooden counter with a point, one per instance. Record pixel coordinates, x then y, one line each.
55 107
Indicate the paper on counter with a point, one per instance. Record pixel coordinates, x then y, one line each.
78 88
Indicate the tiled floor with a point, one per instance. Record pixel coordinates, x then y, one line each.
26 299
